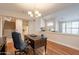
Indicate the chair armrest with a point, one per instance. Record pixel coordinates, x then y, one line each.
27 42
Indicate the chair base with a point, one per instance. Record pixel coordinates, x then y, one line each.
20 52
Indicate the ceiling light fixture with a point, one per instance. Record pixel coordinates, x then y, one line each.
34 14
30 13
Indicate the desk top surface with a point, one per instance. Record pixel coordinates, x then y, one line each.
37 37
33 37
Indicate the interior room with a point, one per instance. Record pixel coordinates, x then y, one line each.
39 29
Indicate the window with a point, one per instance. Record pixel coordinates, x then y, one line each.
70 27
75 24
75 27
74 31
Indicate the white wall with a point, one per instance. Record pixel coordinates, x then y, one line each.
31 27
56 26
34 26
19 25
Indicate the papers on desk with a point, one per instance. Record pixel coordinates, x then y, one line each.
33 35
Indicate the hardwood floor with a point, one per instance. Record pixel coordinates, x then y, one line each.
60 49
52 49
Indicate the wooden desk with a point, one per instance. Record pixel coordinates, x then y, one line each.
36 42
2 45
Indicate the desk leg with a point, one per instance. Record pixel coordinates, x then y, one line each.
34 51
45 46
45 50
3 50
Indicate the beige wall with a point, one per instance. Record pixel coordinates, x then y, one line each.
0 27
9 27
11 13
25 28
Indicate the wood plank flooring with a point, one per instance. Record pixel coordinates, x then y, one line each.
52 49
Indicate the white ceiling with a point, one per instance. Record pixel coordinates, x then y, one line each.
69 13
20 10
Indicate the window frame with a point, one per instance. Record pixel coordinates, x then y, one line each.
65 28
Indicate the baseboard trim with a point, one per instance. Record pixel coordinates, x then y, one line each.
65 45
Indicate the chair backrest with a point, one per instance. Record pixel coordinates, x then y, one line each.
18 43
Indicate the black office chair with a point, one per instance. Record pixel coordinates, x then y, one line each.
21 47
